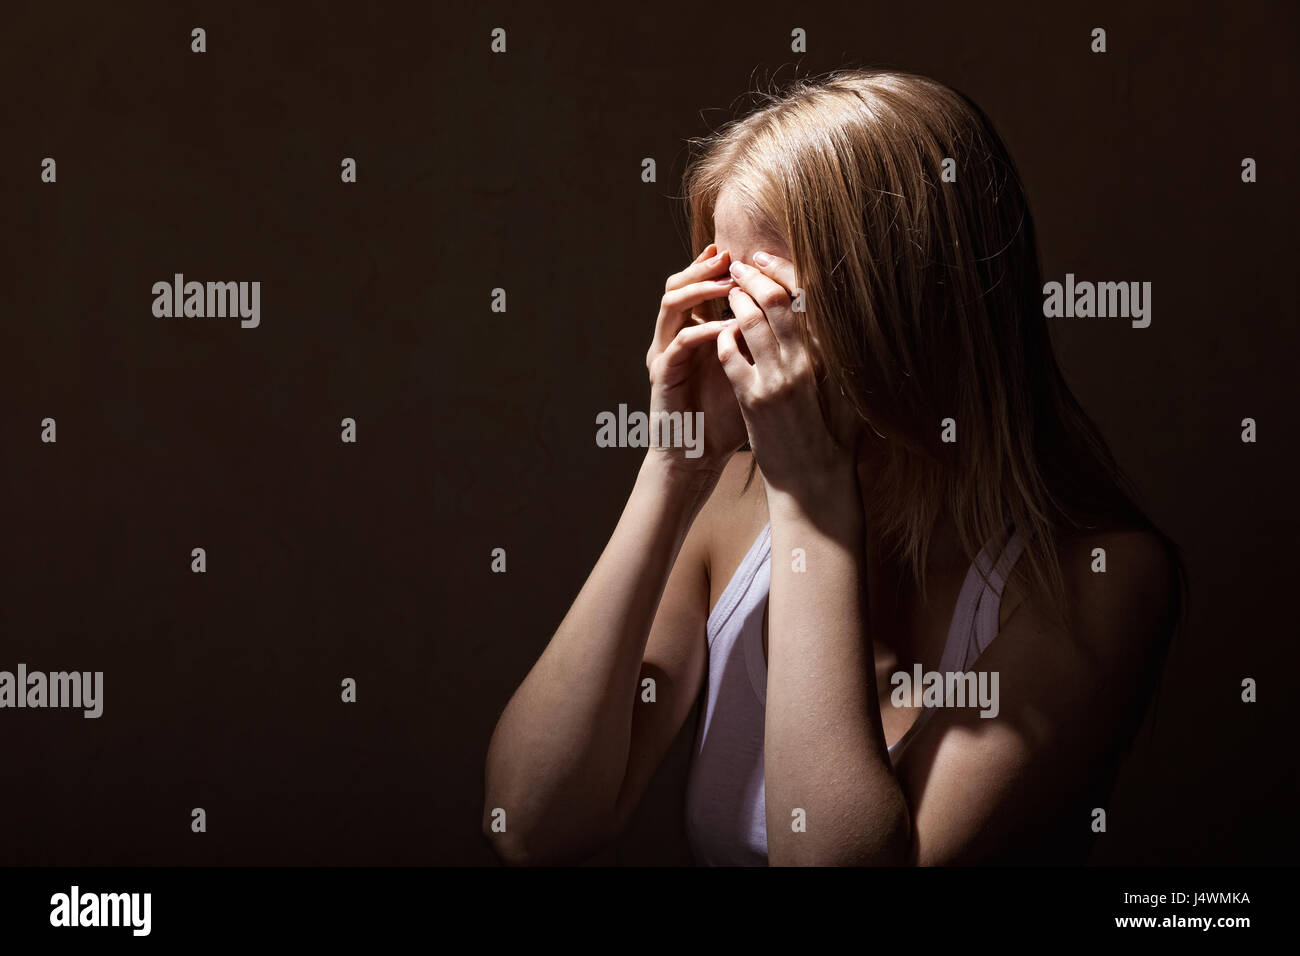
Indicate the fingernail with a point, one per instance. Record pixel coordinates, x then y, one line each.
727 281
738 269
762 258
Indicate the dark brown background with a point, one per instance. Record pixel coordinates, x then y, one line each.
477 430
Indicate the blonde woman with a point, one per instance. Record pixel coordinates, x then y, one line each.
919 493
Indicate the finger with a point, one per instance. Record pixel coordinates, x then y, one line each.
676 305
739 372
752 324
704 267
773 298
782 270
686 343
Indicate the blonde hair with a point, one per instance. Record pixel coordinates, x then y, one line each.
924 295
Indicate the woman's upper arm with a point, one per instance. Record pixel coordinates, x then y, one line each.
672 666
1065 696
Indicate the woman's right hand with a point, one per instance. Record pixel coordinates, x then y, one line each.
685 374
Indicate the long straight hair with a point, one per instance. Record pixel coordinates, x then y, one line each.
911 236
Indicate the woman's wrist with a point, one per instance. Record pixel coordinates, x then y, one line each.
829 499
688 481
678 468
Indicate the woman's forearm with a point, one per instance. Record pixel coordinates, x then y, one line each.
559 754
824 750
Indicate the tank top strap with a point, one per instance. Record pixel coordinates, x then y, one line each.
739 585
975 618
987 620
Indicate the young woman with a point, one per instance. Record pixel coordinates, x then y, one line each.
920 492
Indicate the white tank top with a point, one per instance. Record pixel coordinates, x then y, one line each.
726 820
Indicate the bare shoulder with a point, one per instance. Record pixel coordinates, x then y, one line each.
1121 587
1116 569
1071 691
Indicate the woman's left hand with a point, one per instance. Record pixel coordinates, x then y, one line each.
798 451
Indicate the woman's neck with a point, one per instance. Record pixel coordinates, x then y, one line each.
944 551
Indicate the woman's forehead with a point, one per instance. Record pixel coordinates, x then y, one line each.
736 228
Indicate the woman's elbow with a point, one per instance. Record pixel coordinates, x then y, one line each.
883 839
512 849
541 842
